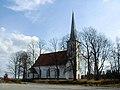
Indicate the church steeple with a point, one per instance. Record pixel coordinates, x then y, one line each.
73 34
73 52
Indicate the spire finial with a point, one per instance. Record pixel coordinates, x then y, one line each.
73 34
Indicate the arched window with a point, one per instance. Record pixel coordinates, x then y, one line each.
28 74
78 76
40 72
57 73
48 73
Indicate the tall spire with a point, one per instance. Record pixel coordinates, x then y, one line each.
73 34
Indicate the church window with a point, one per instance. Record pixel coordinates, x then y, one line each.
48 73
28 74
78 76
57 72
78 65
40 73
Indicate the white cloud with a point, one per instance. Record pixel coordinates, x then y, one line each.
17 38
27 5
2 29
30 8
106 0
12 42
32 15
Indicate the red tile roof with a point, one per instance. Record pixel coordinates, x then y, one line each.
50 59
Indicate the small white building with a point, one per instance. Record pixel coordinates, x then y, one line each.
62 64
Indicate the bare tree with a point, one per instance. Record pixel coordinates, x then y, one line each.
118 54
32 49
86 50
13 65
98 48
19 64
63 42
25 63
41 46
115 62
54 48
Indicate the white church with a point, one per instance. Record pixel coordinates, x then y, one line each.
61 64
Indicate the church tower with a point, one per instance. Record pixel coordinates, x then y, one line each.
73 52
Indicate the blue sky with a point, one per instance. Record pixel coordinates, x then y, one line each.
24 20
46 20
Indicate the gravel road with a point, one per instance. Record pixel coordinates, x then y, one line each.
49 87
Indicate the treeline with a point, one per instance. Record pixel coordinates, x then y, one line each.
100 56
21 61
19 64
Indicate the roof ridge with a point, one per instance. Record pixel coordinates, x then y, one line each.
54 52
